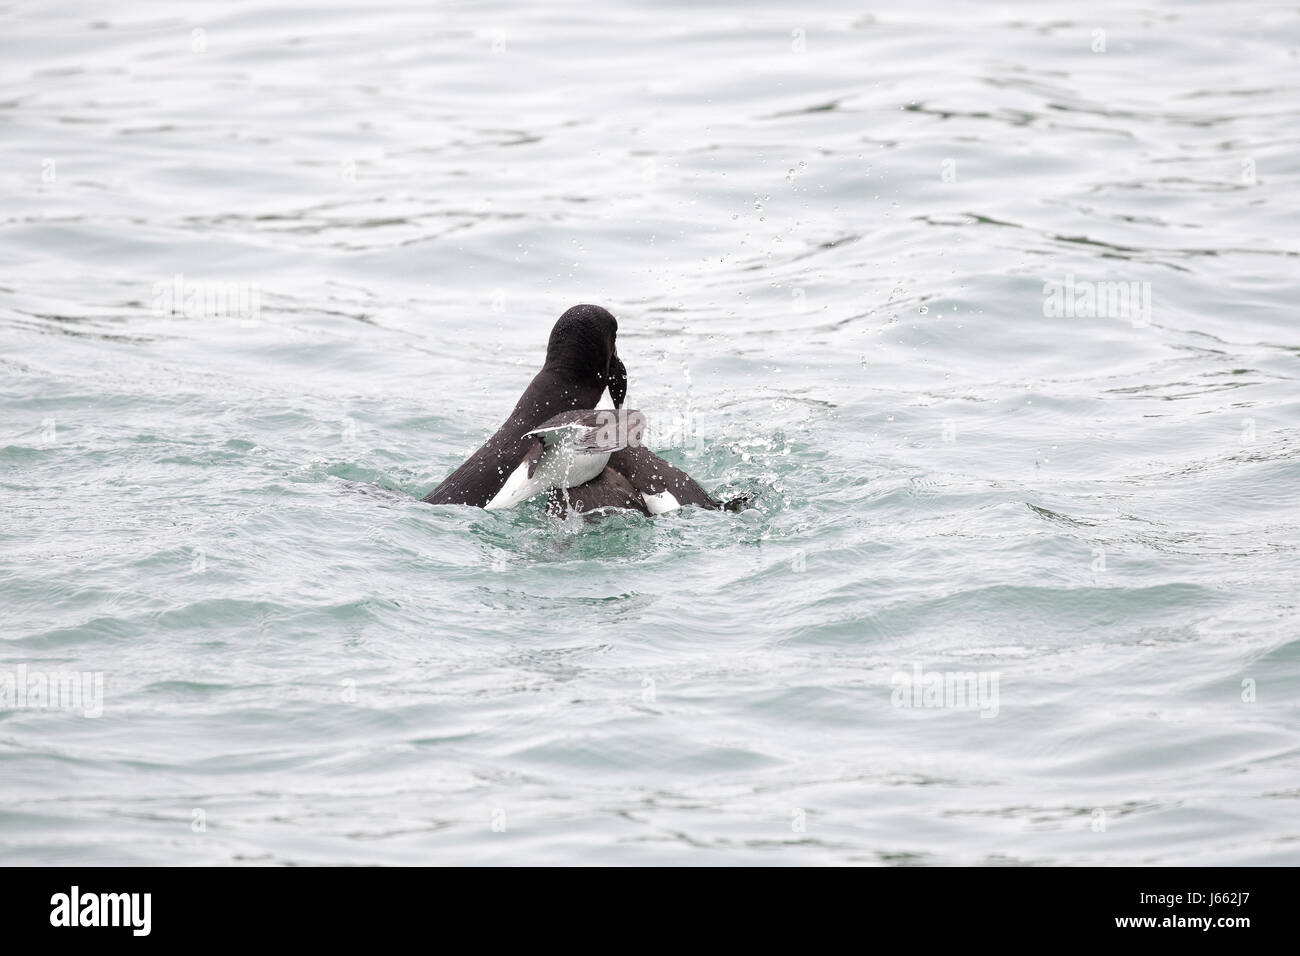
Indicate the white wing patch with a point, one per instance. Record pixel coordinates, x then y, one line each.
559 468
518 487
663 502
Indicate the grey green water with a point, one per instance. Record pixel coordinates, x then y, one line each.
994 308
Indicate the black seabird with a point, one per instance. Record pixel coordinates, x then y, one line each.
581 364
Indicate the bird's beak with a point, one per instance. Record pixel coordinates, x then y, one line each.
617 381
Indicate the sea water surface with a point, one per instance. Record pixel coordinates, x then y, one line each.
269 271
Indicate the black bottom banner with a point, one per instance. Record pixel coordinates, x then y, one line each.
945 906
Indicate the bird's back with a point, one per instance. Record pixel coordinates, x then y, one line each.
478 480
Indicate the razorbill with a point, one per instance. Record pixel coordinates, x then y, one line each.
582 372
